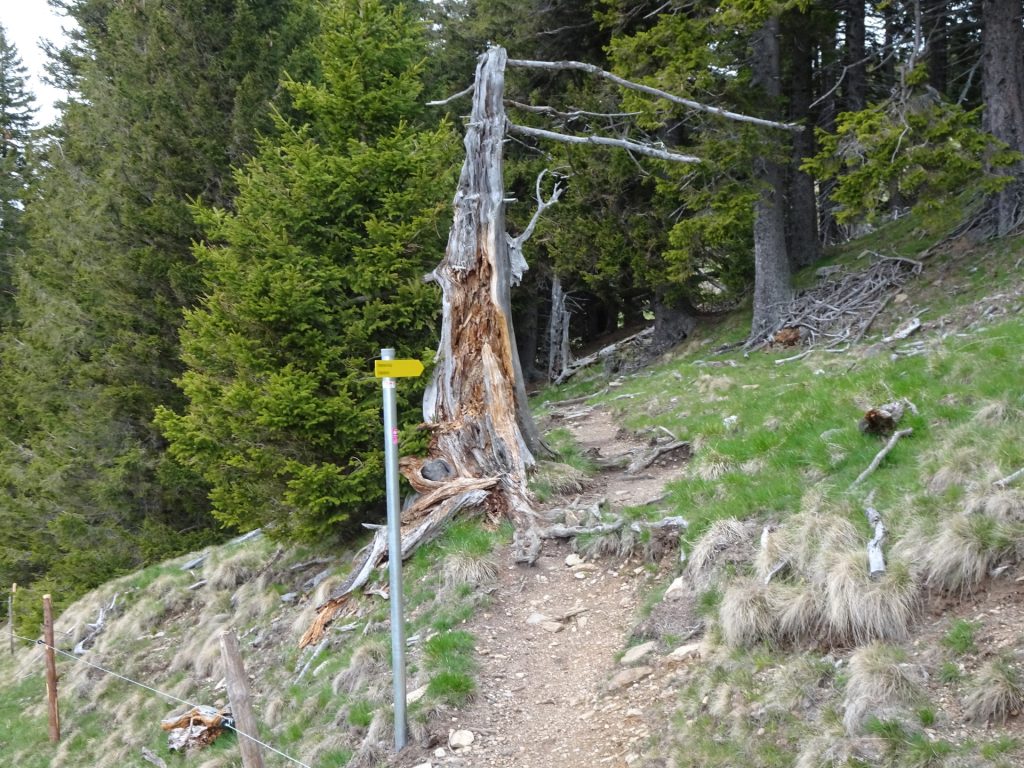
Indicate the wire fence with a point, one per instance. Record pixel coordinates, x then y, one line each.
163 694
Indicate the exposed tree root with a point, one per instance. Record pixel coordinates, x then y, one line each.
421 521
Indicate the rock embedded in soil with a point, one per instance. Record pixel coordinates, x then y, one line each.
627 677
638 652
461 739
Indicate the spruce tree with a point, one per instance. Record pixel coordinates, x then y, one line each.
167 94
319 266
16 114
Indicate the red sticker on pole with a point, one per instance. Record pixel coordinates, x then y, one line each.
394 435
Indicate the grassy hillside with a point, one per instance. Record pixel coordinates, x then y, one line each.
818 665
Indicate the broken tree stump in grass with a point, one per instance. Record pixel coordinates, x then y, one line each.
196 728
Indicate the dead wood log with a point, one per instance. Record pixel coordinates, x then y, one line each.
881 455
905 330
560 531
876 557
882 420
642 462
94 629
602 354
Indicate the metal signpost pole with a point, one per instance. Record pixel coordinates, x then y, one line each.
394 551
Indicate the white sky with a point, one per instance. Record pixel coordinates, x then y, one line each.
25 22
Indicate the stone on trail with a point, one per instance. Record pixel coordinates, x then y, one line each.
573 559
461 739
688 651
627 677
637 652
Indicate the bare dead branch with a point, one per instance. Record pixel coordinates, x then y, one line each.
1009 479
651 91
845 304
882 454
632 146
442 102
602 354
801 356
516 243
551 111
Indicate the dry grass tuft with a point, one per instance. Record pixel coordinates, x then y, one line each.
859 610
995 693
746 612
832 750
725 541
880 680
376 747
946 477
753 466
467 568
813 538
368 664
798 611
708 384
711 466
1005 505
234 568
597 545
965 549
799 685
957 461
995 414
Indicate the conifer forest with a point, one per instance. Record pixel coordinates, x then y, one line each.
239 201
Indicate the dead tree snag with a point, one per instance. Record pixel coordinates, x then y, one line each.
476 404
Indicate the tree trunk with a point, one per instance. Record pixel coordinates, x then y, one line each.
476 403
771 262
558 331
673 322
937 45
802 241
1002 58
856 67
528 326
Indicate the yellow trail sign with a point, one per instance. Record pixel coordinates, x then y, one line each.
397 369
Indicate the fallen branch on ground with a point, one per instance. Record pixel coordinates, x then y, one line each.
642 462
95 628
881 455
602 354
842 309
876 558
1009 479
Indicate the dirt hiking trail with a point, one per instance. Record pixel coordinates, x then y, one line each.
553 687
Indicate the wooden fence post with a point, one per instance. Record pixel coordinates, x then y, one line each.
238 697
51 669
